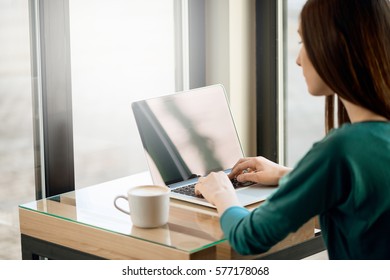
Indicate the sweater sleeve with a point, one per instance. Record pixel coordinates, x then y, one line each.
305 192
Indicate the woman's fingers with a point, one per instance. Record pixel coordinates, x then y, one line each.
243 165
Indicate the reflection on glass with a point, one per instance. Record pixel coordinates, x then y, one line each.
188 134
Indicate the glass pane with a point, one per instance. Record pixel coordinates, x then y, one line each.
188 229
121 51
16 148
305 113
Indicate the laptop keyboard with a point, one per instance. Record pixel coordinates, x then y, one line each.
187 190
190 189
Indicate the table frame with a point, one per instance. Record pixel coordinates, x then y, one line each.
35 249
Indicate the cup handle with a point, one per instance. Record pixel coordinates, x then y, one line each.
117 207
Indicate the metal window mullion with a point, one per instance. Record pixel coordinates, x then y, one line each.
270 79
197 43
52 109
281 78
190 45
181 45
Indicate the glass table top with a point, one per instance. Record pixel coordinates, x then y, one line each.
190 227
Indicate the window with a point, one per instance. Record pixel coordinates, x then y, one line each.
121 51
16 148
105 77
85 67
304 113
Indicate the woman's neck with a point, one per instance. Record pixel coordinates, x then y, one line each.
357 113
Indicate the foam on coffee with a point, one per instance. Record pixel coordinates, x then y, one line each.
148 191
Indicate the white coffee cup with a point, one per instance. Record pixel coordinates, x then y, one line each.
148 204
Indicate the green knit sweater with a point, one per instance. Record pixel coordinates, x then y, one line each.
345 178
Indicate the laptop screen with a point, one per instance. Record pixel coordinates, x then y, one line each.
187 134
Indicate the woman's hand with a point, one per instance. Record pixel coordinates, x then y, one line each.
258 170
217 189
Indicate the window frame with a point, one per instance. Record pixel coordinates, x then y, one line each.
52 96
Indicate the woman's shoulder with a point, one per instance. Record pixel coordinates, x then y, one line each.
353 137
350 142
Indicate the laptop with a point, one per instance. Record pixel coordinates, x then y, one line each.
189 134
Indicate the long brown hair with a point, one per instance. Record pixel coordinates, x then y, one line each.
348 43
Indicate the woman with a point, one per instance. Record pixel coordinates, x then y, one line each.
345 178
